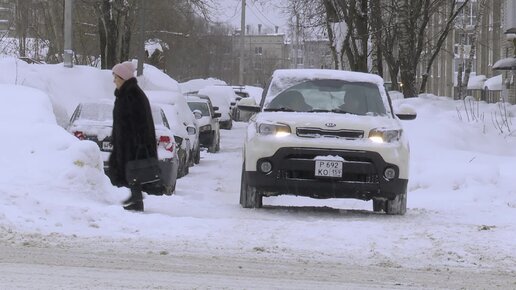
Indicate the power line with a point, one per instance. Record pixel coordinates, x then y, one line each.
237 9
259 18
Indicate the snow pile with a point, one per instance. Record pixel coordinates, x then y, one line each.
67 87
494 83
193 86
43 155
476 82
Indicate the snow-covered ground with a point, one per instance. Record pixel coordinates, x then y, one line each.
461 200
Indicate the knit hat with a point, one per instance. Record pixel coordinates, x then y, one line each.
124 70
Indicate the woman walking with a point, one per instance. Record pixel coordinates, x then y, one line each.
133 135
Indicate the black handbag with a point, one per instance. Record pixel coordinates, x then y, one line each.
143 171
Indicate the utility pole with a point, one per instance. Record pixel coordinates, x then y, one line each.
242 45
68 35
141 49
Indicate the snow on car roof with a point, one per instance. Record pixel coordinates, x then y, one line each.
285 78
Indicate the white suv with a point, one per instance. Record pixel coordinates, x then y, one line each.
326 134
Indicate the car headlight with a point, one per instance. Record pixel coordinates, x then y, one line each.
383 135
278 130
205 128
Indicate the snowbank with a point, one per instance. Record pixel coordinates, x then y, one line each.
193 86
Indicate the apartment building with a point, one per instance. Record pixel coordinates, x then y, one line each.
490 46
5 16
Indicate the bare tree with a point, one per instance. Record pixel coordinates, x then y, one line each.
414 19
453 11
469 61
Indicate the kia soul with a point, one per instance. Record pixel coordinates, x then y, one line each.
326 134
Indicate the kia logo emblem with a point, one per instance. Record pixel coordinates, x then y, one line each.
330 125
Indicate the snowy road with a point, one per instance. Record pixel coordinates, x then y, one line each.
103 265
200 238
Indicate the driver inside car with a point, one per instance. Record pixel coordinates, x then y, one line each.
292 100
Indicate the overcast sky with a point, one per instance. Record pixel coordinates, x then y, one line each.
269 14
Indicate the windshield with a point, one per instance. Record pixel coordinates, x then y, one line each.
326 95
203 107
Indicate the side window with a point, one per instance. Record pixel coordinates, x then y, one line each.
76 114
165 121
264 92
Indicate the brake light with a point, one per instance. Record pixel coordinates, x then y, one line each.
79 135
164 139
166 143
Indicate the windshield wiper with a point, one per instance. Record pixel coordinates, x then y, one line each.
340 111
281 109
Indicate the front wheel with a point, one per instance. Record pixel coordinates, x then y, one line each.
250 197
397 206
197 158
214 143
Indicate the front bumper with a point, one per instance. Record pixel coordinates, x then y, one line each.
293 172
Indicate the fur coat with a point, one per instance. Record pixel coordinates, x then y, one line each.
133 128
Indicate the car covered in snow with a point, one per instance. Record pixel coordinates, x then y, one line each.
209 131
222 97
94 120
184 125
326 134
244 97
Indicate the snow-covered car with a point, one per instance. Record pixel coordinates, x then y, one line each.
222 97
182 120
243 95
326 134
209 133
94 120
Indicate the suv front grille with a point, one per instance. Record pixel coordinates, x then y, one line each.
318 133
348 177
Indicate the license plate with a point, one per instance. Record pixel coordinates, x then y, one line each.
328 168
107 146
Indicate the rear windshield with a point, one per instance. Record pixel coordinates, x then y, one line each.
96 112
104 112
203 107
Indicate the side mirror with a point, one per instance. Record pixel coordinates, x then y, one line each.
215 108
249 108
217 115
406 112
197 114
190 130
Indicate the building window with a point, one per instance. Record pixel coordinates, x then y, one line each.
258 50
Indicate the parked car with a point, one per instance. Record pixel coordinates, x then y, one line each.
222 97
182 118
209 133
307 140
93 121
236 114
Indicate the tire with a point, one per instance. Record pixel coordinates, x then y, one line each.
378 205
213 146
197 158
250 197
217 146
397 206
169 190
182 170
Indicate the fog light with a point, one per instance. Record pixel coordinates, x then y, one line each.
389 173
266 167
